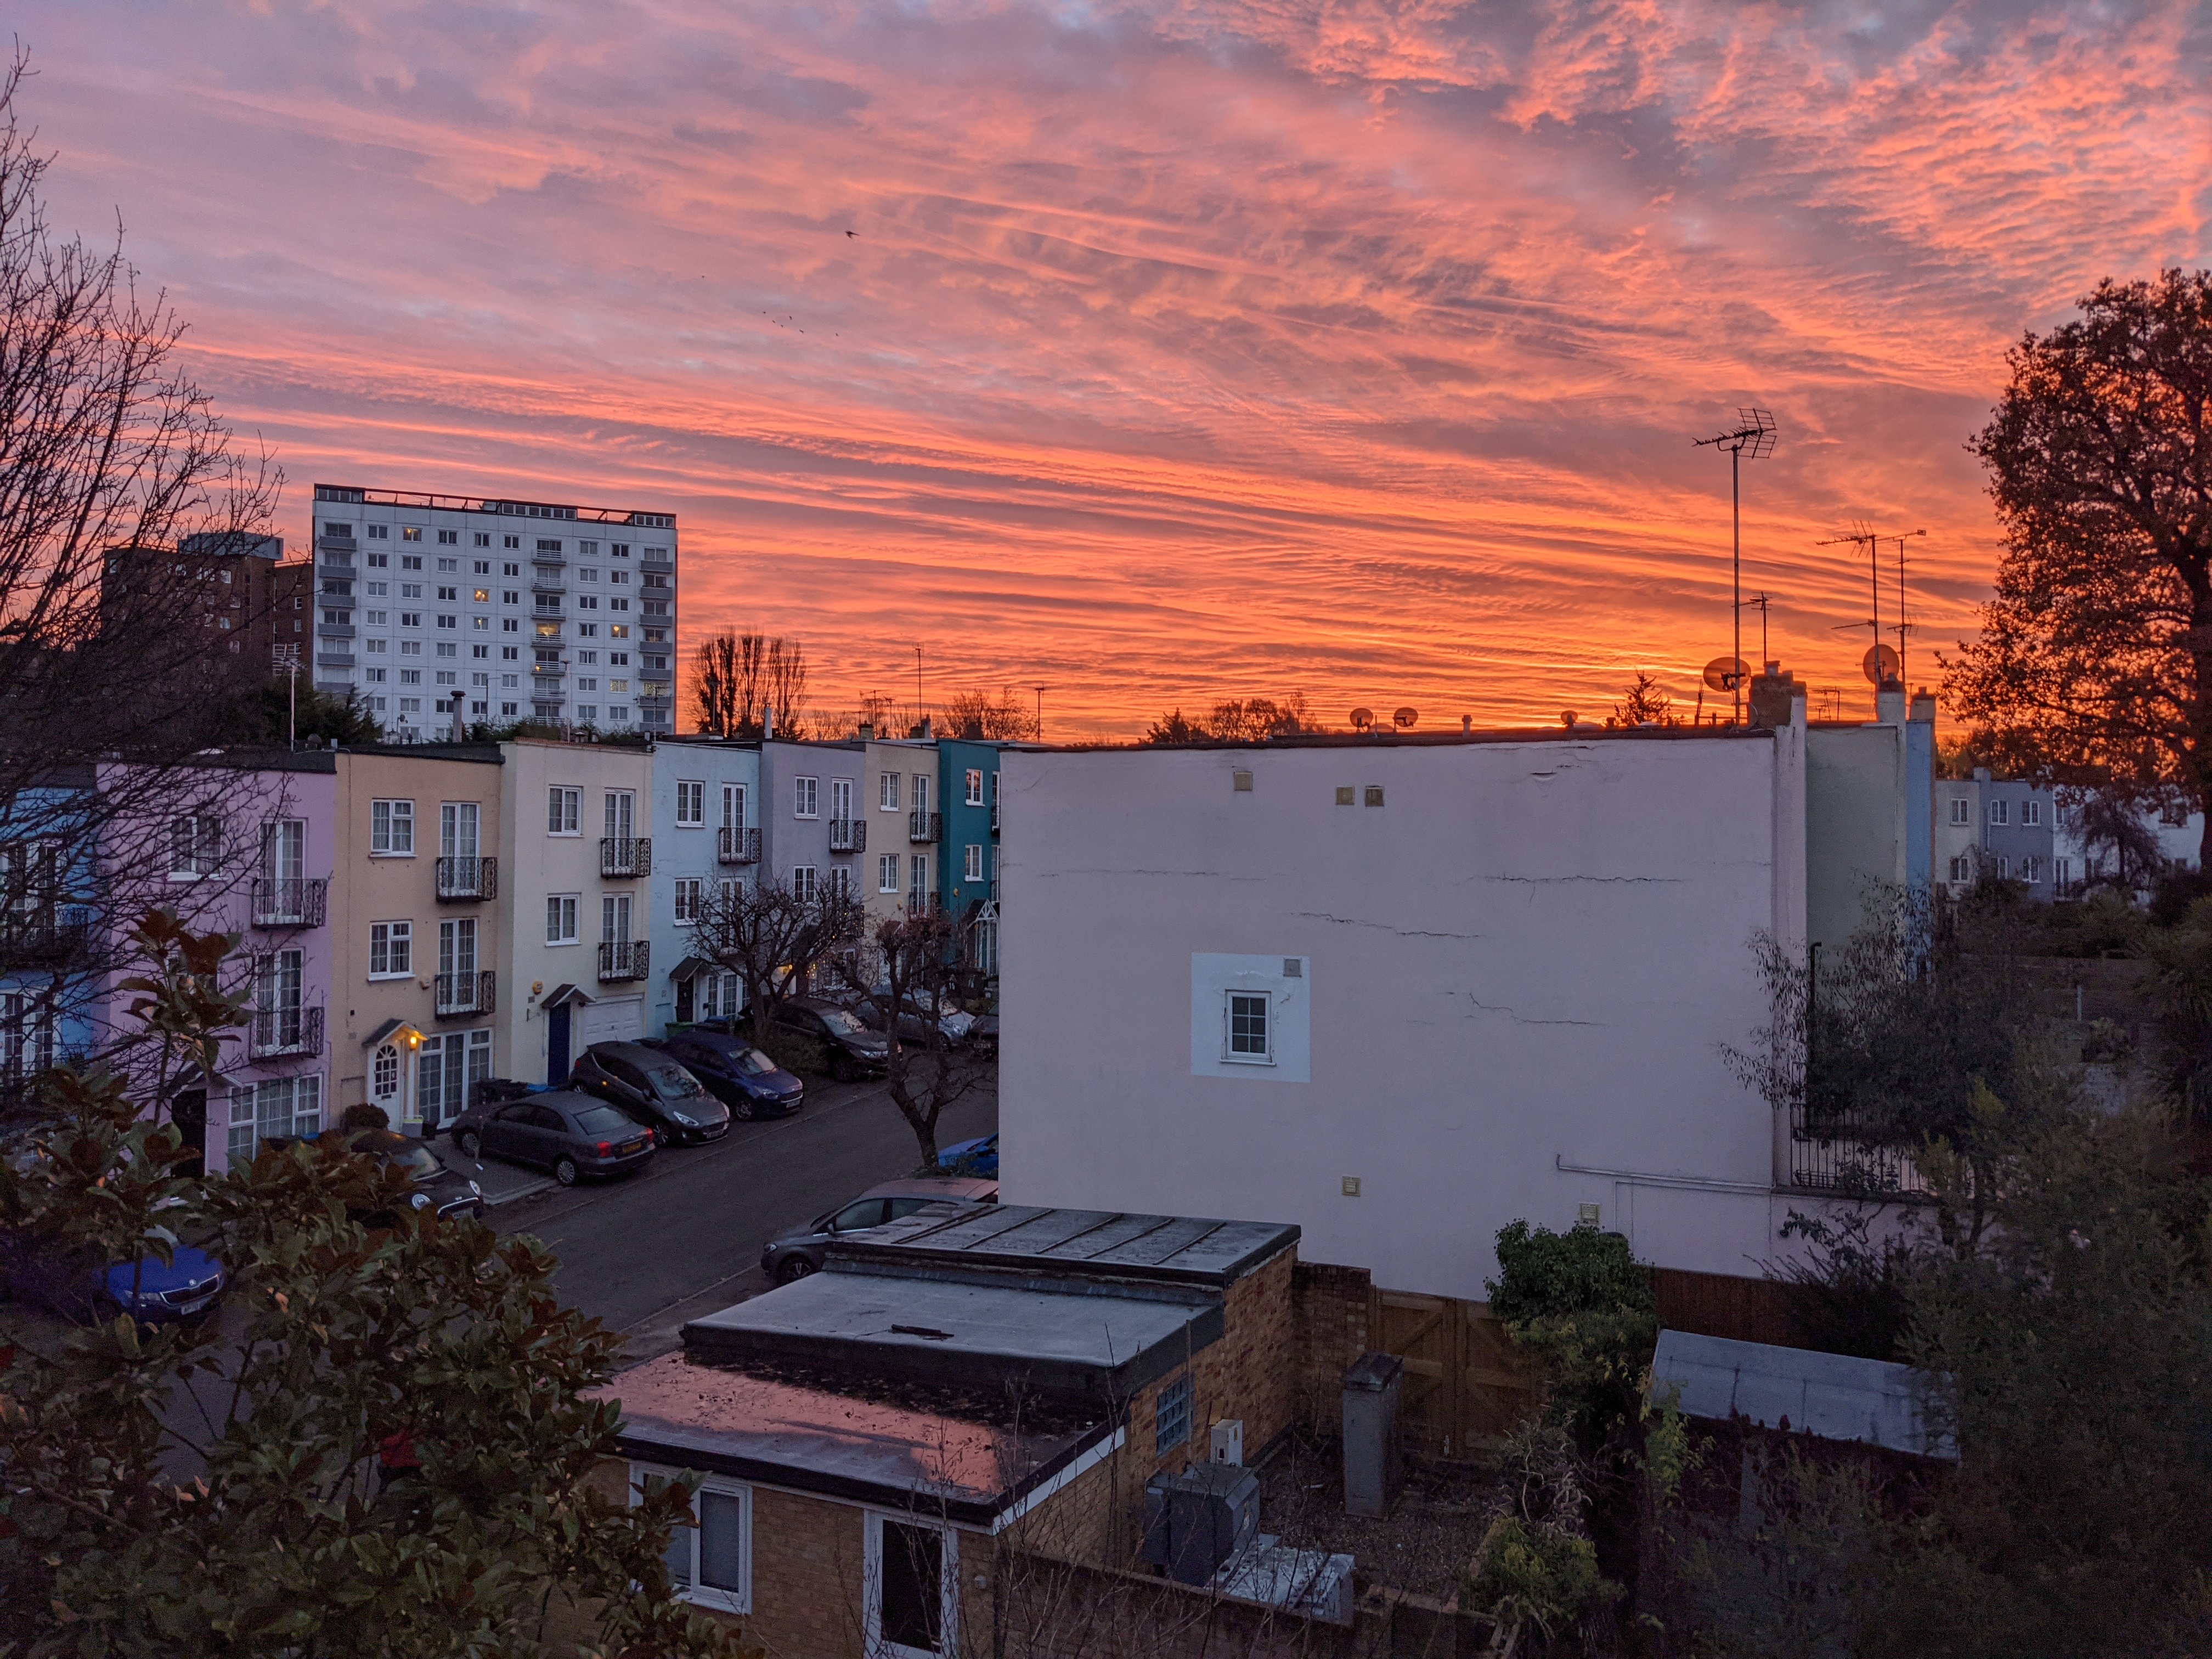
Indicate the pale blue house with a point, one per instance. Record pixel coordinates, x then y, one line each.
707 811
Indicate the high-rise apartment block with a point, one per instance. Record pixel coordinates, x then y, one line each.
440 608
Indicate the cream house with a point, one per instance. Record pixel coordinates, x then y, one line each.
574 916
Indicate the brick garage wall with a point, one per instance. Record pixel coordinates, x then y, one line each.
1330 1308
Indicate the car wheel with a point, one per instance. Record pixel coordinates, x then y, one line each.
471 1144
797 1268
565 1170
741 1108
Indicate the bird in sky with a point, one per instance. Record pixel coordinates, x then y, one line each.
854 234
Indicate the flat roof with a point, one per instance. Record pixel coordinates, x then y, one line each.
1835 1396
1111 1243
1581 732
971 1457
1094 1342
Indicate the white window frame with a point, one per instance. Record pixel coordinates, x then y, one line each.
2031 814
2000 811
564 811
971 861
887 873
1266 1001
806 883
395 838
690 803
975 785
1962 812
562 914
389 934
873 1642
887 792
733 807
195 846
807 798
690 893
739 1599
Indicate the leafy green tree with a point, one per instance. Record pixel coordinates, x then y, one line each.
382 1447
1582 1304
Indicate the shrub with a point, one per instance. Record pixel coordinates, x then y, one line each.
1582 1305
795 1052
1525 1575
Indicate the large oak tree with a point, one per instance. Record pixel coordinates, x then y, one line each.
2095 657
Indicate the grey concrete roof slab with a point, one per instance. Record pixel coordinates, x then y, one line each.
1832 1396
981 1334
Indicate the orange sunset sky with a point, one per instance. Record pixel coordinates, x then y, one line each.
1182 350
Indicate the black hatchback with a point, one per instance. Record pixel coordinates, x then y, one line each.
849 1049
741 1076
571 1135
652 1088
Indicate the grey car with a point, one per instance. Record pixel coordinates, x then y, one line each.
570 1133
796 1254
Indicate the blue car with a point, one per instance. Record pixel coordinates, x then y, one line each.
979 1157
734 1072
145 1290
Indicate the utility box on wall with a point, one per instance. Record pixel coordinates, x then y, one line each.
1372 1463
1196 1520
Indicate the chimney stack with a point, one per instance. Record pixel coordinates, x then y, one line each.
1889 703
1923 706
1775 694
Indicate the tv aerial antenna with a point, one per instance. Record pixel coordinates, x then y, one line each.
285 659
1753 435
1880 663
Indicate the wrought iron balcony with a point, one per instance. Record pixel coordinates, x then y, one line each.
466 993
461 879
622 856
30 931
289 901
995 811
738 846
623 959
922 826
848 836
281 1033
1833 1151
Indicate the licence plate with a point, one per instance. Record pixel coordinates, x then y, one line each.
628 1147
197 1303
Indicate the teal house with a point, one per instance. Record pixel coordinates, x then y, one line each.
968 856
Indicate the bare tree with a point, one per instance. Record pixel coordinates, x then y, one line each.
123 505
774 939
918 961
976 714
784 683
714 685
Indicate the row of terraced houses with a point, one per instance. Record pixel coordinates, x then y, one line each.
414 917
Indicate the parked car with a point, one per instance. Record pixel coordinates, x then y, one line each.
979 1157
436 1181
984 1033
570 1133
739 1075
78 1286
653 1088
953 1020
795 1254
849 1048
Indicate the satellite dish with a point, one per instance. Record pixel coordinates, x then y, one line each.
1362 719
1404 719
1880 663
1726 673
1567 718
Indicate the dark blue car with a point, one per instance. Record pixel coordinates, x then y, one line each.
979 1157
77 1289
734 1072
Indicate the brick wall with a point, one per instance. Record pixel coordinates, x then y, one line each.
1331 1309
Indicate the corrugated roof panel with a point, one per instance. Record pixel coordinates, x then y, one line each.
1836 1396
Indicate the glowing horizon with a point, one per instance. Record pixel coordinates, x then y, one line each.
1184 351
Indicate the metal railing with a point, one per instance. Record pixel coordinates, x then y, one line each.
848 836
1830 1152
924 826
466 993
289 901
281 1031
738 847
620 855
462 875
995 811
622 958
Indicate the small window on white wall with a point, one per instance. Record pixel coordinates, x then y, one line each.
1244 1028
709 1562
1960 811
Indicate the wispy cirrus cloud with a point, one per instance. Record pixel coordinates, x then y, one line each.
1183 350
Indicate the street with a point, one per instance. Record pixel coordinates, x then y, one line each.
683 1236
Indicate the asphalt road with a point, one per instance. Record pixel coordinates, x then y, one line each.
683 1236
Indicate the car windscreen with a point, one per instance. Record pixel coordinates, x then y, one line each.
842 1023
419 1161
753 1063
672 1083
603 1121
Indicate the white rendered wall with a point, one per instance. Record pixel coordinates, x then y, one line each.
1529 954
